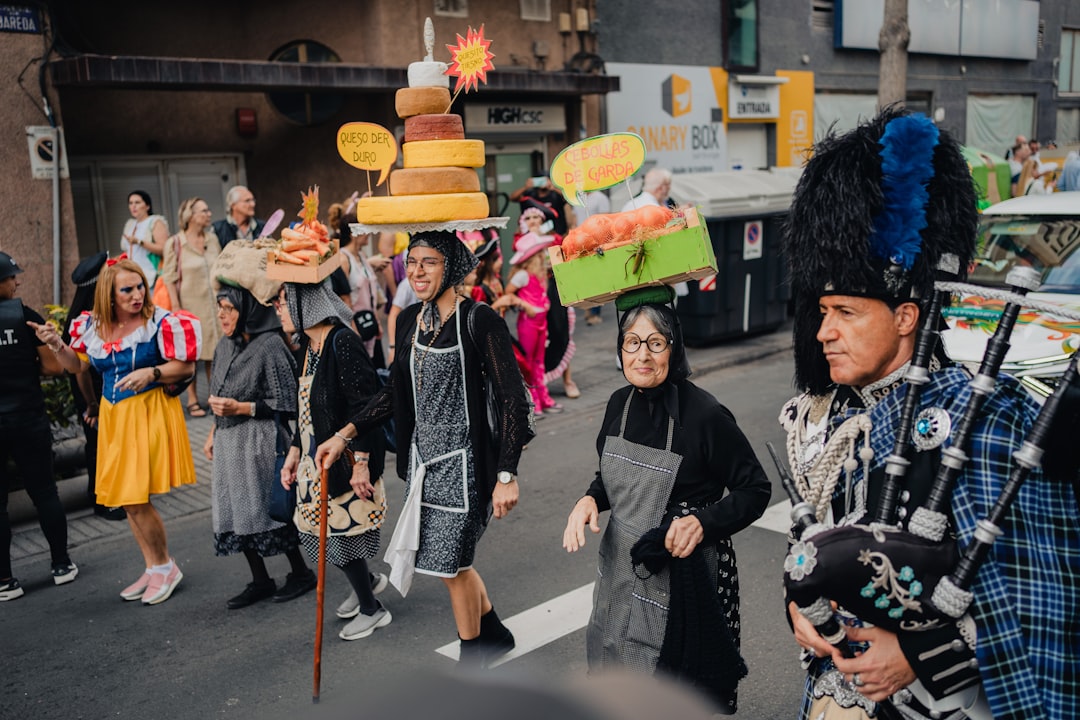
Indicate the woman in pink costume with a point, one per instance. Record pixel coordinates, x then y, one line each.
529 283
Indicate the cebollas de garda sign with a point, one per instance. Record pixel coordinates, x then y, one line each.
596 163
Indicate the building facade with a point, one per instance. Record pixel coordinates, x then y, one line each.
987 70
188 99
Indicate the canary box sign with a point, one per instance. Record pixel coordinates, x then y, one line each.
677 110
596 163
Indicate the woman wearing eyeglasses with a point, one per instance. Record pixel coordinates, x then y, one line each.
679 478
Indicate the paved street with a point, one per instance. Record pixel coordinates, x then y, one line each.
80 651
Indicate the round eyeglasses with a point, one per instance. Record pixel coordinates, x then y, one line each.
656 343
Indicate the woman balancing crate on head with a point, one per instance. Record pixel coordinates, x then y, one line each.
679 478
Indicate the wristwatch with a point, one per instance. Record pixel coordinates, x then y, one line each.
157 373
505 478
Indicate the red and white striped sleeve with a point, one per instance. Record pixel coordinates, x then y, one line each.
180 336
77 330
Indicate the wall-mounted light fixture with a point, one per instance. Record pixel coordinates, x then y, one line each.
246 123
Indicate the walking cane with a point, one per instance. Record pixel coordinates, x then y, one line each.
320 587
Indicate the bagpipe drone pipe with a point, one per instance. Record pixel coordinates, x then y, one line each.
916 578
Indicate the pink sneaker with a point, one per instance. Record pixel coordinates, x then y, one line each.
161 586
135 590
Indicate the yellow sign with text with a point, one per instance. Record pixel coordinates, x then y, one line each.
795 125
597 163
368 146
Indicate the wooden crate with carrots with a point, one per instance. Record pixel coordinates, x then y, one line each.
622 252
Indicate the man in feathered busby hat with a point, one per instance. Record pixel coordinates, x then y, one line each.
874 213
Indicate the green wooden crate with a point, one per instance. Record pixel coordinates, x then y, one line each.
596 279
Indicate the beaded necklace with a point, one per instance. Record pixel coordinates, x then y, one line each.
423 353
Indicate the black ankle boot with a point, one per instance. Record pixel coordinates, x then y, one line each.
496 638
471 655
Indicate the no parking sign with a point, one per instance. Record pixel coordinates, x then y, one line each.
753 238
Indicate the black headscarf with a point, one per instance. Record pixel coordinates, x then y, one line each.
254 317
311 304
458 263
678 365
664 398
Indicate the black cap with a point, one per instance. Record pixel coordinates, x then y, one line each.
482 251
8 266
873 212
88 269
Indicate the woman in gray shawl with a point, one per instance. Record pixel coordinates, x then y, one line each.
252 397
336 381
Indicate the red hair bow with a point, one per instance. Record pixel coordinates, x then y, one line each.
112 261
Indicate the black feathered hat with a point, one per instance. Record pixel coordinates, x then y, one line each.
874 211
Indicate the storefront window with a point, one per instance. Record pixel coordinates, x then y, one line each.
1069 62
741 34
306 108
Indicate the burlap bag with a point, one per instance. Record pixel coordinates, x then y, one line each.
243 263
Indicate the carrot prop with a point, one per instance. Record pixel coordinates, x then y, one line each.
320 588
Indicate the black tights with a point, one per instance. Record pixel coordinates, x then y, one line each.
360 579
258 565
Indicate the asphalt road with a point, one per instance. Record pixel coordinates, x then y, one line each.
78 651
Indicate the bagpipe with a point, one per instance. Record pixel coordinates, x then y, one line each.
915 578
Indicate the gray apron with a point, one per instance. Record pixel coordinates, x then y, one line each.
442 519
629 614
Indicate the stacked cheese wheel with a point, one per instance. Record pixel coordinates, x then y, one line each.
438 182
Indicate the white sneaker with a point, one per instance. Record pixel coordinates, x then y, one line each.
350 608
381 581
10 589
64 572
364 625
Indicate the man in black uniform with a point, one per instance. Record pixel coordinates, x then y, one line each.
24 431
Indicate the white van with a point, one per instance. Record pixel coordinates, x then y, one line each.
1042 231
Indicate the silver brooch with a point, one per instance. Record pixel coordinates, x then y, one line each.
932 427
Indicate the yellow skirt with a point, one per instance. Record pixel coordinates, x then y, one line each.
143 449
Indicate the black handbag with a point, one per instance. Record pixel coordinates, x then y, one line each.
491 399
176 389
366 325
282 501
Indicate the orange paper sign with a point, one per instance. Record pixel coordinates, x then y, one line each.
367 146
471 60
597 163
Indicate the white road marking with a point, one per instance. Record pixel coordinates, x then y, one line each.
549 621
777 518
542 624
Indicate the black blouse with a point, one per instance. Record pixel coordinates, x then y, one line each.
489 351
343 384
716 457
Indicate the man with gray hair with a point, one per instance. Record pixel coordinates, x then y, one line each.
239 222
654 191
